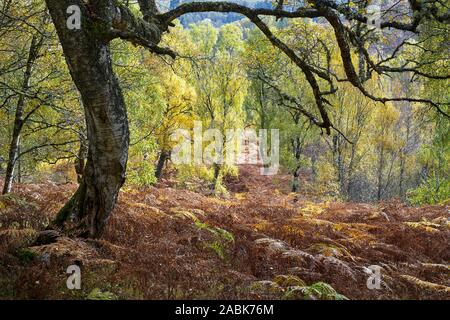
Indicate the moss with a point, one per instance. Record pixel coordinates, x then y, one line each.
97 294
75 203
25 255
98 30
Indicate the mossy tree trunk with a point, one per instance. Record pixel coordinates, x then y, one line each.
88 57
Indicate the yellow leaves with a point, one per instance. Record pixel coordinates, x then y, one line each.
436 267
184 214
177 91
230 38
355 231
293 231
330 250
179 97
387 114
351 4
240 196
384 122
262 225
289 280
193 215
312 208
204 36
219 201
425 225
319 222
442 221
425 285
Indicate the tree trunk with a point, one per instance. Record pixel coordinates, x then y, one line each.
88 58
217 169
18 118
80 162
297 149
314 165
350 177
296 180
339 165
164 155
401 177
403 155
380 174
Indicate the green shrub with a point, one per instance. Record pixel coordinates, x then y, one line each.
430 192
142 175
317 291
223 239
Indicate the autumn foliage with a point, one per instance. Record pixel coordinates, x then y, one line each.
258 243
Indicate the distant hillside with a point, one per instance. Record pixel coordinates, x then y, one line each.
217 19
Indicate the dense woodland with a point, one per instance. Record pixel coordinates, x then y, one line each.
364 150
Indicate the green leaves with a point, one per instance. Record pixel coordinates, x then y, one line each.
317 291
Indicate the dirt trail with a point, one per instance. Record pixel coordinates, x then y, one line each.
260 242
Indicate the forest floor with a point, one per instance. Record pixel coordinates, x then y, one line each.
261 242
